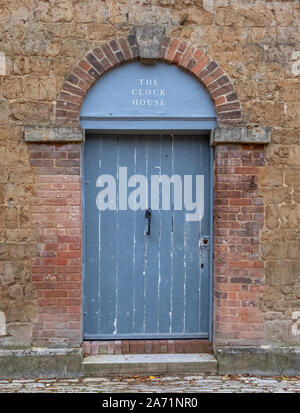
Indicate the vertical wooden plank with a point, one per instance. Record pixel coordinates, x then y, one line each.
153 242
192 282
91 282
205 231
140 255
108 245
164 286
125 241
178 249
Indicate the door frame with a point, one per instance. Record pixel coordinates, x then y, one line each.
211 215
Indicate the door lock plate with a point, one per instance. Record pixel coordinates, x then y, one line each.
204 242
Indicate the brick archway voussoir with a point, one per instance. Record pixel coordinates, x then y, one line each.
173 51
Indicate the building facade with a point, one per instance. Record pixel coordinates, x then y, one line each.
63 65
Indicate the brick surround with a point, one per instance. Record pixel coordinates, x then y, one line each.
238 212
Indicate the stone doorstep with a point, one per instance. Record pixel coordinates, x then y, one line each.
149 364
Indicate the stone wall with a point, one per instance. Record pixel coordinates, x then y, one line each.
17 236
257 45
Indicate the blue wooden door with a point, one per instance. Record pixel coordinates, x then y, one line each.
139 285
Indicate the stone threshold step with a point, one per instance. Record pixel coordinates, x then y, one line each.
149 364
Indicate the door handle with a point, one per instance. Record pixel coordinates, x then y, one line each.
148 221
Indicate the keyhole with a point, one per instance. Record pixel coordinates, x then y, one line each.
205 241
202 265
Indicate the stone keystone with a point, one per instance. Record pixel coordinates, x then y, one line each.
149 39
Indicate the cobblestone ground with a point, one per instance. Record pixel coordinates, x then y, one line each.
155 384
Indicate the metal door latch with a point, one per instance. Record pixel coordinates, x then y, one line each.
148 221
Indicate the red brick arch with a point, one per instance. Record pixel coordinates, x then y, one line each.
174 51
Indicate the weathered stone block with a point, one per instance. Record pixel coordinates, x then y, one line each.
20 311
40 89
53 134
74 47
272 214
13 271
39 112
289 215
284 155
294 250
8 132
260 360
280 273
17 334
277 331
40 362
296 196
16 194
16 154
265 113
24 217
12 88
277 195
271 177
4 111
100 32
295 327
240 135
16 292
62 12
17 251
11 216
2 194
60 66
275 250
92 11
292 177
2 217
21 174
2 324
3 175
20 235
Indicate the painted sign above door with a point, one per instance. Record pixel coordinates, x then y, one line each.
137 96
149 93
